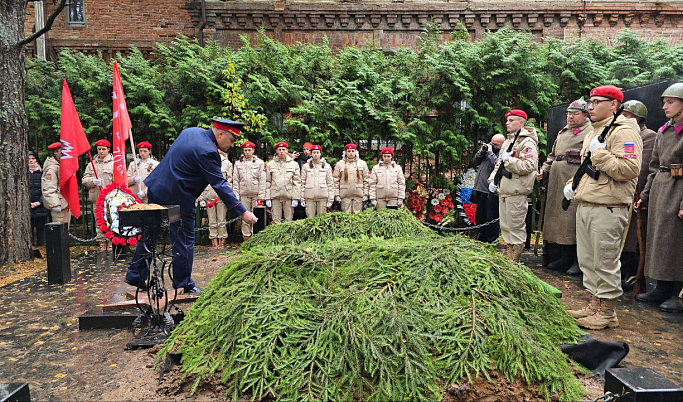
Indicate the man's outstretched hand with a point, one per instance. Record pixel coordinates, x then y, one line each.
249 218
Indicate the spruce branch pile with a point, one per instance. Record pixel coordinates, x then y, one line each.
375 318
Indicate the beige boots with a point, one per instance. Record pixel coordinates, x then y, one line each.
597 314
514 251
214 243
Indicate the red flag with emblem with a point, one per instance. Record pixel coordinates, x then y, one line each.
122 127
74 144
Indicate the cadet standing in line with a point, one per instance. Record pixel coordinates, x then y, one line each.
52 196
145 165
216 210
603 206
351 181
663 195
634 109
104 166
559 227
317 182
249 182
283 184
522 163
387 183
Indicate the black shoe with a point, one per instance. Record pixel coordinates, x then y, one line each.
626 286
193 290
574 269
140 286
662 292
672 305
561 265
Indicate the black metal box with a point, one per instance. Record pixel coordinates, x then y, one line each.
14 392
58 254
641 384
149 217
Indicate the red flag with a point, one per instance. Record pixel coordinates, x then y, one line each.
121 128
74 144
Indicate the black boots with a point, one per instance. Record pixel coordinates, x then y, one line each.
659 294
567 261
673 304
566 258
629 269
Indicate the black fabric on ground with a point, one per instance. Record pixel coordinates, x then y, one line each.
596 355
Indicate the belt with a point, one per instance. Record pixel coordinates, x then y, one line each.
664 169
560 158
590 204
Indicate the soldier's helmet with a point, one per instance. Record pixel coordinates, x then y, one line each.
578 105
674 91
638 108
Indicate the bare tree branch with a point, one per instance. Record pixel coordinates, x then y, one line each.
47 27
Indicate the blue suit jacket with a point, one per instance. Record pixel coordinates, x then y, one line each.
190 165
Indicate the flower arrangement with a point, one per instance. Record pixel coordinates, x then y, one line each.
417 201
212 203
111 198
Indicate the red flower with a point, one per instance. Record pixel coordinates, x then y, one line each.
449 197
103 228
471 212
431 215
132 241
109 234
444 202
438 218
445 211
437 209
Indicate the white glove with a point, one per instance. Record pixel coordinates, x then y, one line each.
269 203
303 203
595 144
137 179
202 204
58 208
374 202
569 192
337 198
141 194
504 155
295 203
329 205
493 188
365 198
399 203
97 182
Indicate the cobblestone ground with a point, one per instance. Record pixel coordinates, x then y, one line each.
40 342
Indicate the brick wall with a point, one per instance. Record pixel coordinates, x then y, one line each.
113 26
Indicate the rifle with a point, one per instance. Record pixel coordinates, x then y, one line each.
639 285
501 169
586 166
539 228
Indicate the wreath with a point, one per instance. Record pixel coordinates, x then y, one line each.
111 198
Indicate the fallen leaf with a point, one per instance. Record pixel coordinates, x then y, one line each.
39 343
60 375
112 365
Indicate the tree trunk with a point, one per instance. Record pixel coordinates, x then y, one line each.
14 201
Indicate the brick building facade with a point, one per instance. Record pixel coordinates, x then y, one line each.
109 26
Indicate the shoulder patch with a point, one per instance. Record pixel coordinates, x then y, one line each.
48 176
629 148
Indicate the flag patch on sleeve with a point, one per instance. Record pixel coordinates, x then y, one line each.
629 148
48 176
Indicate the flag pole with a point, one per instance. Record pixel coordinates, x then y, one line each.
93 166
132 148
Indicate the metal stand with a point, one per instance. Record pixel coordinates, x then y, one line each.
58 259
155 322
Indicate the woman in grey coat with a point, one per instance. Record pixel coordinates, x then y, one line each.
663 194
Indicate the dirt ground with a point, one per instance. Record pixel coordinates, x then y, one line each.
40 342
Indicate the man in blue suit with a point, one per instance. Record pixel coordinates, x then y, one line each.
190 165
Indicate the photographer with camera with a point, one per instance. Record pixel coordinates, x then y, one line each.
487 203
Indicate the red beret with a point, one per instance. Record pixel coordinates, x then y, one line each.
144 144
54 145
102 143
248 144
308 145
281 144
316 148
350 146
387 150
608 91
516 112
